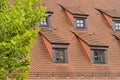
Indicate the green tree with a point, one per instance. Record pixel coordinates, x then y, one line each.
17 36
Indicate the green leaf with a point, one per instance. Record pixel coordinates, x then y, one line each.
17 36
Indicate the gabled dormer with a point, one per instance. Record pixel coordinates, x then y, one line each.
76 16
57 47
46 23
113 18
95 49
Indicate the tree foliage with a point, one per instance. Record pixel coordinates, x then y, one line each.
17 36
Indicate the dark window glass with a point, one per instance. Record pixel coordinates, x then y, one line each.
99 56
117 25
60 55
80 23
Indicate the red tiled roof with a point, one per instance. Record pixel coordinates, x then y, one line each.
52 37
111 13
74 10
61 27
90 39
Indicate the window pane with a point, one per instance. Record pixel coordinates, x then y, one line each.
78 25
81 25
78 21
60 55
81 21
45 23
99 56
117 28
117 25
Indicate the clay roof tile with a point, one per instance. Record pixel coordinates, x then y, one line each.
74 10
52 37
111 13
90 39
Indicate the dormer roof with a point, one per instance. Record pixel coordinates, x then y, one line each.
52 37
90 39
74 10
112 13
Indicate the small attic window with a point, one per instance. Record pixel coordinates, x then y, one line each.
46 23
60 54
80 22
98 56
116 25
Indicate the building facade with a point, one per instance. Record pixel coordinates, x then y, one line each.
78 40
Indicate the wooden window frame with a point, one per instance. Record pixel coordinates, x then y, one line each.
115 20
83 18
104 54
63 53
62 47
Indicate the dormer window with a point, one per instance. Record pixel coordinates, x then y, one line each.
59 55
98 55
57 47
94 48
112 17
46 23
117 25
76 16
80 22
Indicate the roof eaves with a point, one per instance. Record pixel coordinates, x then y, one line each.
116 36
81 14
60 43
99 46
50 12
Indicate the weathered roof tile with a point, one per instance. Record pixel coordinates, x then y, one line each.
74 10
52 37
111 13
90 39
